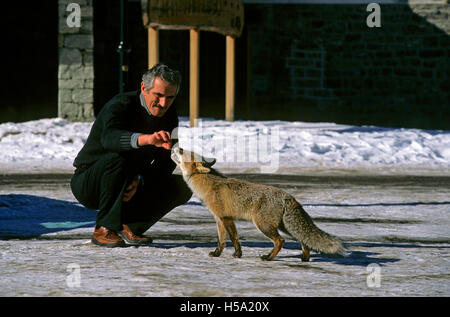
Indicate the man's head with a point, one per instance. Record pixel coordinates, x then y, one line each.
160 86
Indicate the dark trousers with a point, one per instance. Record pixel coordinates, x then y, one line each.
101 187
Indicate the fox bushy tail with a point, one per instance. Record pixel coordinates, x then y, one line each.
300 225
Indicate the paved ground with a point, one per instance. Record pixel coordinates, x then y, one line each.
395 227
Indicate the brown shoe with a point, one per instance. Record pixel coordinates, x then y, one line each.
132 239
107 238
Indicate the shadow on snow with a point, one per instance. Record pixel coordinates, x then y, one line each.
30 216
354 258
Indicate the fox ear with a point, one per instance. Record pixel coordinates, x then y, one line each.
202 169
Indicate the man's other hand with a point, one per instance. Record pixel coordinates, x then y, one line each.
131 189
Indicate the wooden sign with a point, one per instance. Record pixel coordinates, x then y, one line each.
223 16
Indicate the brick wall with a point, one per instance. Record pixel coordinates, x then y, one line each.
323 63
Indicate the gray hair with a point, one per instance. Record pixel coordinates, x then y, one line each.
164 72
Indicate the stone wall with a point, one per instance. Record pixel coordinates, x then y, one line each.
76 63
323 63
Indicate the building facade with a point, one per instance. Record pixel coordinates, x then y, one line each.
296 60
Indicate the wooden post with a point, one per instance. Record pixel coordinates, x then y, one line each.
229 80
153 47
194 76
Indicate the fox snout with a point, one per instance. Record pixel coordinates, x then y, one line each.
177 152
180 156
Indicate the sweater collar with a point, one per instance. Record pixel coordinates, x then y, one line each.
143 104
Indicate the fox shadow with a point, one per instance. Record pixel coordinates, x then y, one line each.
354 258
28 216
362 258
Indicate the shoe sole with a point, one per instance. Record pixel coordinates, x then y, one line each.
133 242
108 245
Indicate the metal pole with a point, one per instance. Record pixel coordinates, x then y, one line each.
121 49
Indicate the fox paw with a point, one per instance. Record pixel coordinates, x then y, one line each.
215 253
305 258
237 254
266 257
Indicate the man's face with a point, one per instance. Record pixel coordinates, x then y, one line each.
160 97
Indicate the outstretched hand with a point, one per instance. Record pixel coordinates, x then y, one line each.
159 139
162 139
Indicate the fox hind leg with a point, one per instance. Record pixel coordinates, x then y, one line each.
231 229
305 254
305 250
272 233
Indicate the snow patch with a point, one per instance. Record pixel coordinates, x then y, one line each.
240 146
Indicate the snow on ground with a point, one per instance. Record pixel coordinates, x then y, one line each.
247 146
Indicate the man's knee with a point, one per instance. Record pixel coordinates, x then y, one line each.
185 194
181 190
107 177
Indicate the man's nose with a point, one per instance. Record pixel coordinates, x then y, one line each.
162 102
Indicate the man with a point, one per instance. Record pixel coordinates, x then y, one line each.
124 170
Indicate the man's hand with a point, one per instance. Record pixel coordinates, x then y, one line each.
162 139
159 139
131 189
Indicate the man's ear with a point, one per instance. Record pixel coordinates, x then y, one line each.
142 87
202 169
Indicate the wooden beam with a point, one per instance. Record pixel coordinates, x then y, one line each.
194 76
153 47
223 16
230 79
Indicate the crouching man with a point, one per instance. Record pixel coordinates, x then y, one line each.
124 170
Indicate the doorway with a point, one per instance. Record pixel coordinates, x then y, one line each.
29 88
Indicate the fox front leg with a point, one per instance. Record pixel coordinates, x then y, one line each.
221 234
231 229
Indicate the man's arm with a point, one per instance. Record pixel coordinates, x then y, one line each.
113 120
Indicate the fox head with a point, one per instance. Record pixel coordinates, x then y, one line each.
191 163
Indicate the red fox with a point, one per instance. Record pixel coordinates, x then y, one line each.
268 207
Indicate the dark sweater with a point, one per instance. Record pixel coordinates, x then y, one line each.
119 119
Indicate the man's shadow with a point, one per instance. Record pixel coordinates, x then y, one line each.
27 216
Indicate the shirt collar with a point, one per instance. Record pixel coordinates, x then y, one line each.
143 104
